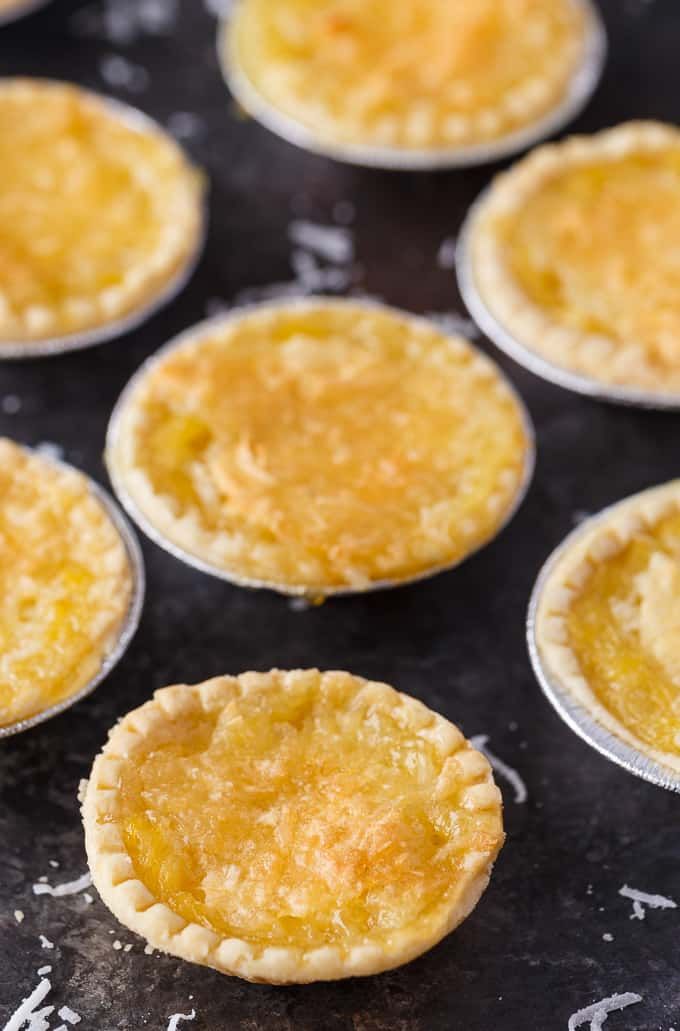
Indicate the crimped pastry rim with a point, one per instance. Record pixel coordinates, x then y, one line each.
129 624
138 909
135 119
480 302
575 704
314 592
583 84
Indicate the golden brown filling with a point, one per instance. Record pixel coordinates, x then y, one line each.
330 444
301 815
598 249
96 216
624 627
417 73
64 584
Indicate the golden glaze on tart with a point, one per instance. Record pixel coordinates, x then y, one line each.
290 827
418 74
65 583
99 212
321 445
608 625
576 251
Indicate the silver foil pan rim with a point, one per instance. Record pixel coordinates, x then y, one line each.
129 625
582 86
318 592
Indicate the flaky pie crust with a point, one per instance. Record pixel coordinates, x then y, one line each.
267 445
608 535
66 583
431 87
594 356
461 770
101 214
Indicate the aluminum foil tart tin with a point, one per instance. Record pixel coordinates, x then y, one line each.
574 713
525 356
316 594
135 119
129 625
582 87
21 10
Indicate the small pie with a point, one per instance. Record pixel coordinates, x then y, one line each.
11 9
320 446
576 253
608 622
100 213
414 75
290 826
65 583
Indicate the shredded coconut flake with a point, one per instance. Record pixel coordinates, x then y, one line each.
69 1015
641 899
331 243
56 453
454 323
44 970
597 1014
45 942
173 1021
119 73
10 404
68 888
186 125
446 256
125 21
510 774
27 1016
18 915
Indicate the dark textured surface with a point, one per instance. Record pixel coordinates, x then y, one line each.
533 952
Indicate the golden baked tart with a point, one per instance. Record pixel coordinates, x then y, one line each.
290 826
419 81
607 624
11 10
67 590
101 216
319 446
575 254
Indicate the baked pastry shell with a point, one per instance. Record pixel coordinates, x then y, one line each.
130 623
118 478
524 355
135 906
581 88
575 713
21 10
137 120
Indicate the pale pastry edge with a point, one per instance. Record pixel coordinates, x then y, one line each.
133 485
596 357
155 277
609 535
489 126
138 909
106 643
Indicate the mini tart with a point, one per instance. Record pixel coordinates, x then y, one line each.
575 252
608 622
100 215
65 584
418 75
320 446
13 9
290 827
